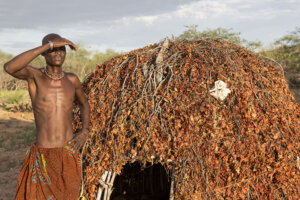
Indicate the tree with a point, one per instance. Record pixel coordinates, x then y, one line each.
291 39
101 57
286 51
82 62
218 33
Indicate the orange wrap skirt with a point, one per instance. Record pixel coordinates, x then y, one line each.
49 174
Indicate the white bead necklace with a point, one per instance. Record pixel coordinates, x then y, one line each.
54 76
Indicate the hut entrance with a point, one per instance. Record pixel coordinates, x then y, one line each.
138 183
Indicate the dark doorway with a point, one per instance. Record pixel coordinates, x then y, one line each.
137 183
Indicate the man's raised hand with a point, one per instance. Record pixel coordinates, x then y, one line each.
59 42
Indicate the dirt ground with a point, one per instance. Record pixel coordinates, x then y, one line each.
17 132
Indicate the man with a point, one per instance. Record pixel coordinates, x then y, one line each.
51 168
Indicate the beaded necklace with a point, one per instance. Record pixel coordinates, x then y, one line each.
54 76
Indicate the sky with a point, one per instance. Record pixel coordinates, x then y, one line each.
124 25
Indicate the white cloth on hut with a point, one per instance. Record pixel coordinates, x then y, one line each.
220 90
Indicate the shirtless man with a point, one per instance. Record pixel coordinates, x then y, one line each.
51 169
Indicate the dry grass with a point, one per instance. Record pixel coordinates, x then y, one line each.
14 96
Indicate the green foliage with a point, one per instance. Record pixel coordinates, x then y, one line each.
291 39
82 62
101 57
218 33
286 51
6 81
14 96
191 33
289 56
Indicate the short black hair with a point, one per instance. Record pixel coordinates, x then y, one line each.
50 37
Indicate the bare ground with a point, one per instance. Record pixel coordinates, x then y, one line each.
17 131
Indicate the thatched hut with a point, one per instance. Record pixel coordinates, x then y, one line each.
158 106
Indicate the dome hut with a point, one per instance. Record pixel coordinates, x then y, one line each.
203 119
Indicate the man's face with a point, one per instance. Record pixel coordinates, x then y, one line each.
55 57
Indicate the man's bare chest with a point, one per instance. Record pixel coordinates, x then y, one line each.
53 91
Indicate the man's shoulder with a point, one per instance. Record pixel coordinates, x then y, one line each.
72 77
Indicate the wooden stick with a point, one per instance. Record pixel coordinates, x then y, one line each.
172 197
111 183
102 185
106 185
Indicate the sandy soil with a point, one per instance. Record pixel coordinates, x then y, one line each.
11 156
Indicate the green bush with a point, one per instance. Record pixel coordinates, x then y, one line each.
14 96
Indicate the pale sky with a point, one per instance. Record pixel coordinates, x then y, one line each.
125 25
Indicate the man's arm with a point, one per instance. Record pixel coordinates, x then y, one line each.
18 66
79 139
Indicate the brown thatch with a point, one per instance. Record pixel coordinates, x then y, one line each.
153 105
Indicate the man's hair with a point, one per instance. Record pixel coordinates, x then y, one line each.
50 37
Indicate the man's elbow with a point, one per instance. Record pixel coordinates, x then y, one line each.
7 68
